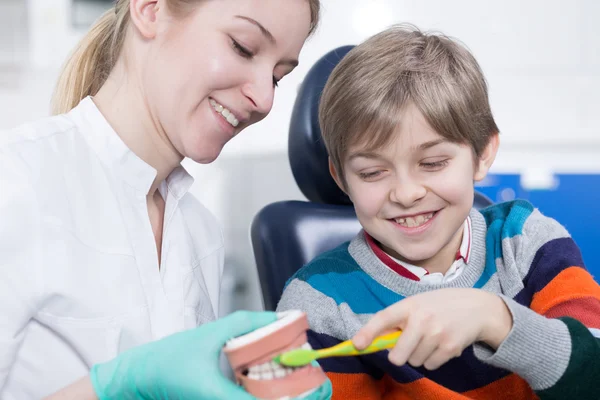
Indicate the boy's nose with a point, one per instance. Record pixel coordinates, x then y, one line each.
407 192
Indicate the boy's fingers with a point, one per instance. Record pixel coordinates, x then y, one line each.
386 320
406 345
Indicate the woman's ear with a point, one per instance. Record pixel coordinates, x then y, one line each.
487 158
144 17
336 176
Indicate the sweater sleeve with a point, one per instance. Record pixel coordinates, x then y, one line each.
553 344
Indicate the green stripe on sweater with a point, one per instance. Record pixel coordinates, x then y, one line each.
580 380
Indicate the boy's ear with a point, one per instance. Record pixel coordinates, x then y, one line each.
335 176
487 158
143 15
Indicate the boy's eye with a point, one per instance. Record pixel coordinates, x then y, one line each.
434 165
369 175
241 50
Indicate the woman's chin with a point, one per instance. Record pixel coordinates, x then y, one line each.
205 155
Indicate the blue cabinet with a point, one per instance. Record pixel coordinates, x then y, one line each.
574 202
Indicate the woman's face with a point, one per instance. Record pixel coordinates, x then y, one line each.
211 74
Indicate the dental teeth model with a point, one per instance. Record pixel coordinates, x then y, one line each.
251 358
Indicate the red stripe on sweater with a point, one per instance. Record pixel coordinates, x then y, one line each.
584 309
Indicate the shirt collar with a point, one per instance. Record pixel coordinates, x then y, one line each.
114 153
414 272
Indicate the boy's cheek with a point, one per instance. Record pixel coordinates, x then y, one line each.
368 202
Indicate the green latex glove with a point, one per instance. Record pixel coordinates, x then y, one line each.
322 393
181 366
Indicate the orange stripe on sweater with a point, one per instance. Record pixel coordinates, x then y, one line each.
509 387
363 387
420 389
354 386
571 283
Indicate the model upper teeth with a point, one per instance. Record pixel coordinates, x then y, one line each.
272 370
229 117
413 222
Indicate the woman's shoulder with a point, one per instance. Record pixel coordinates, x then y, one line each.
35 146
35 133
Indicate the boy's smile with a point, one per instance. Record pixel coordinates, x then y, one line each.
413 194
415 223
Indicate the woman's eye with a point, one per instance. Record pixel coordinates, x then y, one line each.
241 50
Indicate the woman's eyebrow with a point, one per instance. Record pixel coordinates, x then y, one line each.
269 36
263 30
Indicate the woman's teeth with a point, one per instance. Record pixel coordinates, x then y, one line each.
272 369
229 117
413 222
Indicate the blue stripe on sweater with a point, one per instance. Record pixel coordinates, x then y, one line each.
463 373
337 274
551 259
358 290
504 220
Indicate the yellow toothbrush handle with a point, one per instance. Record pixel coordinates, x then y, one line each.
347 348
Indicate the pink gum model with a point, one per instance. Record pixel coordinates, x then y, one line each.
261 346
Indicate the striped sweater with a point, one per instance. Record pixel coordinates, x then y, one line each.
526 258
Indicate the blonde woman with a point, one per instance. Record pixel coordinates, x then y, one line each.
104 255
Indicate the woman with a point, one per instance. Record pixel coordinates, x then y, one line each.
102 248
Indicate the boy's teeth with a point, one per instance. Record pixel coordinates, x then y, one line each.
412 222
229 117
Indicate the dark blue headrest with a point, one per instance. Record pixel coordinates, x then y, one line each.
306 150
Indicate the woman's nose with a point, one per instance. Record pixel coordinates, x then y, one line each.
261 93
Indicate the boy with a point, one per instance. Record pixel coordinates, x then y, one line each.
494 304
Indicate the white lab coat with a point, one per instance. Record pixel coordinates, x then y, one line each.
79 274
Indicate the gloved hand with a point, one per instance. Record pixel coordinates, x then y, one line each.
322 393
181 366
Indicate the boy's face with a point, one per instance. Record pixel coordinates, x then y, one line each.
414 195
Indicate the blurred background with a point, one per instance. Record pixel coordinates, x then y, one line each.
541 59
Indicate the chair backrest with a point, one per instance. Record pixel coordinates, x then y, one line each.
288 234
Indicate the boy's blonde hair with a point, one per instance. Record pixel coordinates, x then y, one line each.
95 56
366 92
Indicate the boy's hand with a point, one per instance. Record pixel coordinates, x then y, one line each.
438 325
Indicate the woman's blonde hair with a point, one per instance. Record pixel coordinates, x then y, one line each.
96 54
363 99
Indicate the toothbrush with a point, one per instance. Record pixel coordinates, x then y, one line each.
300 357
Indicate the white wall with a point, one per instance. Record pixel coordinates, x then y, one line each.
540 58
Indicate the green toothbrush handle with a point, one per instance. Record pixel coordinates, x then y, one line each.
347 348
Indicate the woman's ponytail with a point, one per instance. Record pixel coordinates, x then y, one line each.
92 60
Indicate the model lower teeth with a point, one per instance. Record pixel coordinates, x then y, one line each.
229 117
